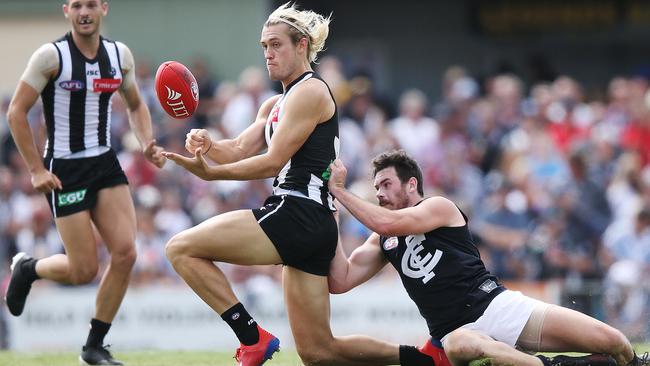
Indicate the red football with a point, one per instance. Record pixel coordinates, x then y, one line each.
177 89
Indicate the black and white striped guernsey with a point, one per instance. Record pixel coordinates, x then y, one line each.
77 102
306 173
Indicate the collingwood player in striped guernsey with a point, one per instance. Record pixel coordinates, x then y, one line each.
296 225
80 175
467 310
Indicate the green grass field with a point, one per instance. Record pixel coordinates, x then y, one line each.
161 358
148 358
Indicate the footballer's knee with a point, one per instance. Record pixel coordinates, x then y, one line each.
316 359
310 357
462 344
83 274
175 248
611 341
320 354
124 259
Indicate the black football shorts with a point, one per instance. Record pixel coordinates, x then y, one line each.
81 179
303 231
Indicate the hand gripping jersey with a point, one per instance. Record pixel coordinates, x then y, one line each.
443 274
77 102
306 173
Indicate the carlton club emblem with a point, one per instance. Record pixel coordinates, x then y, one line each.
417 262
391 243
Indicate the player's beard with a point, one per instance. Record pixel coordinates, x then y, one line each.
402 200
399 201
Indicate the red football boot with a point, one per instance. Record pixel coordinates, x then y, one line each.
258 353
433 349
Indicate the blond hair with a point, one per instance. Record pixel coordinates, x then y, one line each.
302 23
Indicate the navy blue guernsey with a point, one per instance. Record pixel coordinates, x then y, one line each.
306 173
444 275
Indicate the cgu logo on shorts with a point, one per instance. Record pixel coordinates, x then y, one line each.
70 198
72 85
178 107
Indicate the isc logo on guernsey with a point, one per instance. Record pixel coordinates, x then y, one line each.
176 103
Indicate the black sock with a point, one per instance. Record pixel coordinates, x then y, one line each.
28 268
545 360
98 330
242 324
410 356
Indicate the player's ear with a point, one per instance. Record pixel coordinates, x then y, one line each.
304 42
104 8
65 9
413 184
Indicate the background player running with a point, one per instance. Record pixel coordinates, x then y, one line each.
82 180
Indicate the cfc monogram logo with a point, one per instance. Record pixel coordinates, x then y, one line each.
416 266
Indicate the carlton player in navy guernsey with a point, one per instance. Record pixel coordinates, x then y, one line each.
467 310
76 77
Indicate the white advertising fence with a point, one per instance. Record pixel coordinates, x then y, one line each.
174 318
56 318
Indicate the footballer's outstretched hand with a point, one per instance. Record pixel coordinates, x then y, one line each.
153 153
195 165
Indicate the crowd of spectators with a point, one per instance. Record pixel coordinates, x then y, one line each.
555 179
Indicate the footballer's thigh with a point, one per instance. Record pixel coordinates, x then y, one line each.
232 237
569 330
114 217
